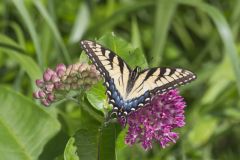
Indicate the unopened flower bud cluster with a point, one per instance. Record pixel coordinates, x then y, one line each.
63 79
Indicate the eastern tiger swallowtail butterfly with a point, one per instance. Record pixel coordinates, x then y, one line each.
127 89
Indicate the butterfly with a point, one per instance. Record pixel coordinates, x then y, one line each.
128 89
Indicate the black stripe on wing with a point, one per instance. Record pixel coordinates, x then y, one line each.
159 80
114 70
95 51
90 49
180 77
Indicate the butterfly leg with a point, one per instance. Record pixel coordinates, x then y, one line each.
124 120
114 116
110 116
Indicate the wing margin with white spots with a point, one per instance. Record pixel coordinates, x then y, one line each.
108 64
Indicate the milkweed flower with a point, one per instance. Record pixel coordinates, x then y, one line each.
57 83
156 121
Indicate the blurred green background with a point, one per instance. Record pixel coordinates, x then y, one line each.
200 35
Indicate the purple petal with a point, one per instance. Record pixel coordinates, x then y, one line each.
155 121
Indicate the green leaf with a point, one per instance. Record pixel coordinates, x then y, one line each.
94 140
107 142
70 150
96 143
54 29
83 58
20 5
136 35
86 138
96 96
25 127
218 82
80 24
120 142
234 113
124 50
55 147
183 33
19 34
86 141
163 16
91 110
14 51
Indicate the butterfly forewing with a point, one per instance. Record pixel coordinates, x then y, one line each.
109 65
159 80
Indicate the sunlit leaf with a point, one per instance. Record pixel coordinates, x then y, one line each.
70 150
124 50
219 81
120 143
80 25
27 19
23 133
136 35
163 16
96 96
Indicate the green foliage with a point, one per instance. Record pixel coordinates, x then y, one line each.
125 50
202 36
70 150
25 127
97 97
27 63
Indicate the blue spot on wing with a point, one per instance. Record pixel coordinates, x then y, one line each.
115 95
135 102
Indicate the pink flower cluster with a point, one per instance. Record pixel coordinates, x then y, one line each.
156 121
64 79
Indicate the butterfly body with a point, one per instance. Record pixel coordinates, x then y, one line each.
128 89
